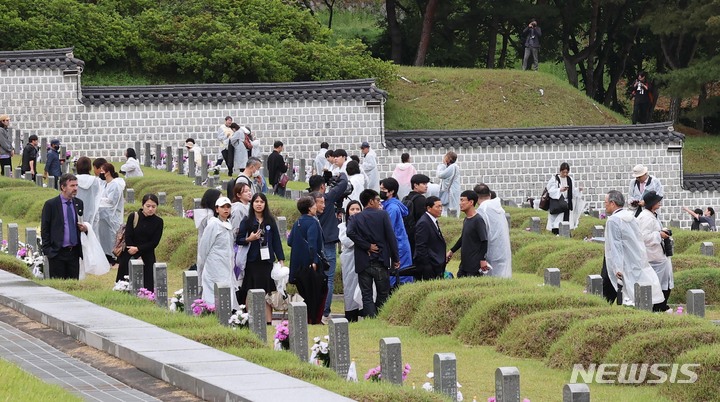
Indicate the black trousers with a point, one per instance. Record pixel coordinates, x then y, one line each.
312 286
5 162
66 264
609 291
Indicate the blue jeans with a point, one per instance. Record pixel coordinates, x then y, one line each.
378 274
331 255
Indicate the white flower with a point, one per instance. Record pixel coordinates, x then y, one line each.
427 387
316 339
430 375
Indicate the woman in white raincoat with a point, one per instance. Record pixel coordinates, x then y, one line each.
562 185
403 172
347 262
89 190
215 253
201 216
653 237
111 210
449 173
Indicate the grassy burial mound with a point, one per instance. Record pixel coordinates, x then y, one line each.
707 279
689 240
528 258
662 345
592 266
588 341
569 260
707 387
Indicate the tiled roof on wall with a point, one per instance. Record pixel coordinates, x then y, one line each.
701 182
655 133
45 58
363 89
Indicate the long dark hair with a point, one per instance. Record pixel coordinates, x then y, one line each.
350 204
267 215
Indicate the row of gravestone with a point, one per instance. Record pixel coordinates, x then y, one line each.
694 298
507 379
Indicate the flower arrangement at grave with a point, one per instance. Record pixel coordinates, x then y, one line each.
163 162
282 336
239 317
430 388
320 352
4 247
146 294
122 285
375 374
177 303
190 214
201 307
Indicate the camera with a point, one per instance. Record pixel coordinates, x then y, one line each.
668 243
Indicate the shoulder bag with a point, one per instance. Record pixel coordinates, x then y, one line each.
120 237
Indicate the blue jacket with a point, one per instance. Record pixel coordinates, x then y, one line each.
52 165
396 210
305 241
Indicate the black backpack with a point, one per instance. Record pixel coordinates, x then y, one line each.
409 220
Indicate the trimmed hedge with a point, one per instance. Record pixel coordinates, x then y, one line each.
484 322
707 279
662 345
528 258
592 266
570 260
533 335
589 341
707 386
14 266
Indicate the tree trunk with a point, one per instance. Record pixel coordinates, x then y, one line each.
675 109
701 100
427 26
502 62
492 42
331 8
394 31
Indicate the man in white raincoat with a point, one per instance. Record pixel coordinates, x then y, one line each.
369 166
625 257
499 253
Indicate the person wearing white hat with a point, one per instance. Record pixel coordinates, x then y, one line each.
216 258
642 184
195 150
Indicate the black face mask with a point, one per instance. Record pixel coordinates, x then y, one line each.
102 176
383 195
56 147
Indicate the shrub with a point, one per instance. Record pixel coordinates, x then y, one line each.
592 266
708 385
14 266
662 345
487 319
534 334
588 341
569 260
707 279
528 258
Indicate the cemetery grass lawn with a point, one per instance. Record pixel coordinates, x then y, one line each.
16 381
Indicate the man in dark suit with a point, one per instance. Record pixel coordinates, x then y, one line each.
376 250
61 228
430 247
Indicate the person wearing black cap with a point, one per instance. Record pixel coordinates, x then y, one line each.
52 164
654 236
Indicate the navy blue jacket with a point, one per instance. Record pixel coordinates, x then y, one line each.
52 165
306 242
372 226
271 239
328 219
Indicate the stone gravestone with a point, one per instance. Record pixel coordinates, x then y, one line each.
51 182
507 384
63 160
211 182
256 312
598 231
196 203
445 374
707 248
178 205
138 149
594 285
180 155
535 224
564 229
43 149
297 321
191 163
8 171
695 299
290 163
339 333
203 167
161 285
674 223
148 155
158 152
301 173
18 141
162 198
31 238
595 213
13 239
130 196
39 180
391 360
28 176
282 225
18 173
704 227
190 289
576 393
198 180
643 296
1 230
526 204
168 159
137 275
223 302
552 277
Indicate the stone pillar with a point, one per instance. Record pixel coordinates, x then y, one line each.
674 223
137 275
179 157
130 196
148 156
31 238
8 172
138 150
63 159
297 322
43 149
161 286
168 159
576 393
158 151
301 172
643 296
552 277
196 203
51 182
391 360
707 248
13 239
598 231
18 174
256 313
695 299
28 176
18 141
564 229
445 374
204 167
191 163
291 164
507 384
339 333
190 289
223 302
39 180
704 227
178 205
594 285
282 226
162 198
535 224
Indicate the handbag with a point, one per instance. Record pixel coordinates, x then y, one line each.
120 237
284 179
558 206
544 203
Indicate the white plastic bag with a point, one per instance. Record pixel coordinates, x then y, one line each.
93 261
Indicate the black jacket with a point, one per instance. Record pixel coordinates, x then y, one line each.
52 225
429 244
276 167
372 226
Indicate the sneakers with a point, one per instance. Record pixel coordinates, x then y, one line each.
325 320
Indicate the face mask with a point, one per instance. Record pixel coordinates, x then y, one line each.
102 176
383 195
256 174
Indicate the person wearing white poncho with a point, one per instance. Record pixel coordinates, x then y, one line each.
216 258
562 185
653 237
111 208
499 253
625 256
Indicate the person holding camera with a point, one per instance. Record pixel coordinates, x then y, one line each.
641 185
532 44
643 96
658 245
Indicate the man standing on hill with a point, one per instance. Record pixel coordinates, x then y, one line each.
499 254
532 44
642 93
473 239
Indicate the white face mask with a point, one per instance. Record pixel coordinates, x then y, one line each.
256 174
